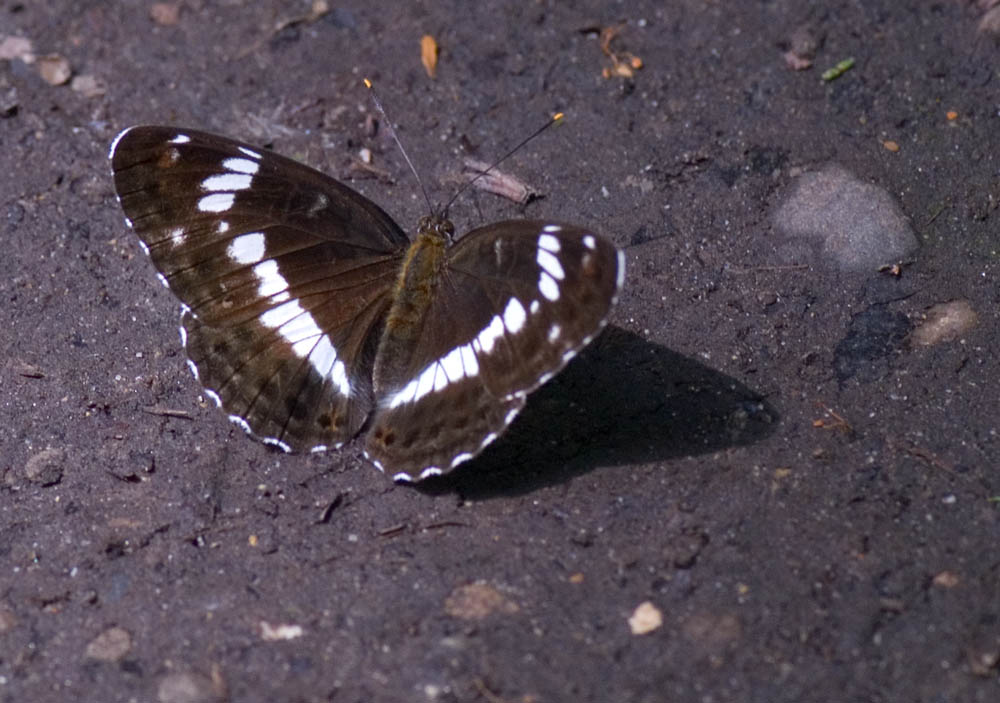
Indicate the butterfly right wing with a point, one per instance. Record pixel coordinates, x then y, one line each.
515 302
284 274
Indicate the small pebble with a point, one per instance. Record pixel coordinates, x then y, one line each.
109 646
645 619
945 322
46 467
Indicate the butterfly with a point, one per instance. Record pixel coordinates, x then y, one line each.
311 318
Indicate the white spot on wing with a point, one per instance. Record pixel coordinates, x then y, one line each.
469 361
275 442
548 261
227 182
142 244
247 248
407 395
237 420
378 464
177 236
548 287
194 370
511 414
298 327
440 377
430 471
488 337
179 139
425 384
589 241
216 202
215 397
620 281
548 242
554 332
339 378
552 229
271 282
514 316
241 166
250 152
452 364
460 458
323 356
222 227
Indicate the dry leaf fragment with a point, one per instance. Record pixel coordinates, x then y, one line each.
946 579
54 69
476 601
623 64
796 62
498 182
429 54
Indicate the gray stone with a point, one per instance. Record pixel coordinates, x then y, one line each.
835 220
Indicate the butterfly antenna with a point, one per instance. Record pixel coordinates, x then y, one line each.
553 120
388 124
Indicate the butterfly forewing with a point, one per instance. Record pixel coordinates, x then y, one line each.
512 305
284 273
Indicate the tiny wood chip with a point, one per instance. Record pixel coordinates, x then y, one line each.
498 182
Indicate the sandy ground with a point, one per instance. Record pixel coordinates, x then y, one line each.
758 448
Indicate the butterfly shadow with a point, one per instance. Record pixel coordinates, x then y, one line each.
623 401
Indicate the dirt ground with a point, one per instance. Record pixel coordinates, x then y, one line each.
755 448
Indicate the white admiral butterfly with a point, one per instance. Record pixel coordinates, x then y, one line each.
311 318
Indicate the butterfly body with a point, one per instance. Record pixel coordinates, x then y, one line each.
311 318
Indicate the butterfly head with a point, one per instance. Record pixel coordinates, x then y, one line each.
436 225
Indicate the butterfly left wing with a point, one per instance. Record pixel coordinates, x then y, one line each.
514 303
284 275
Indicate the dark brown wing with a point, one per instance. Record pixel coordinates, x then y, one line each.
515 303
284 274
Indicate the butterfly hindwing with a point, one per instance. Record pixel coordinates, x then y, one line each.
284 273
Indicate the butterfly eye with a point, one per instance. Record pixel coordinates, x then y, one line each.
311 319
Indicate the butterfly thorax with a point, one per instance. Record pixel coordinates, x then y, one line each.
419 276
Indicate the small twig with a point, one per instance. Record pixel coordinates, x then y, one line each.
446 523
927 455
392 531
840 423
168 412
